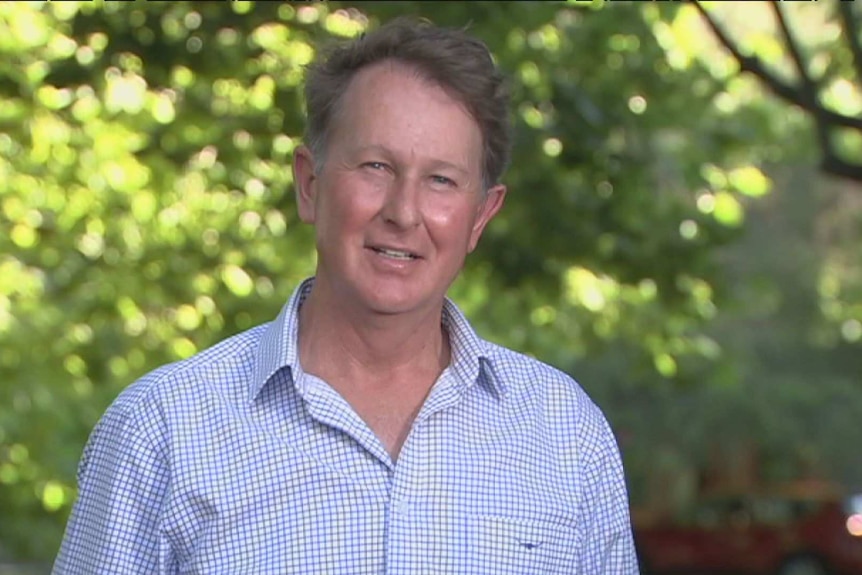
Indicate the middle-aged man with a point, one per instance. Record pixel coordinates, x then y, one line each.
368 429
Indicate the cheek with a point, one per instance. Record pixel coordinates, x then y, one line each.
335 210
352 203
454 217
331 224
453 224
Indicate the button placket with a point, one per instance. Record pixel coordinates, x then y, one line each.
403 501
402 507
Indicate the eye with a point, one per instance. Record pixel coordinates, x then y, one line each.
375 165
443 181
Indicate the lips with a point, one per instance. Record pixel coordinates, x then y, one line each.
396 253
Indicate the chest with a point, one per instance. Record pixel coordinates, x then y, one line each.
469 494
389 413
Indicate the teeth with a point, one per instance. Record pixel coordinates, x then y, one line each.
395 253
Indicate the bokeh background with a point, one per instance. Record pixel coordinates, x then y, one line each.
682 232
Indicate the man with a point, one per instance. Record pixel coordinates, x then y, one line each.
367 429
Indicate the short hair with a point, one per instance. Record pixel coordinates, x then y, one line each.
459 63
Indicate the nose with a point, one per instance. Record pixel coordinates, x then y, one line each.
401 206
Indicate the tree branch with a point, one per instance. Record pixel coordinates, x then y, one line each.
805 94
851 31
808 89
836 166
779 87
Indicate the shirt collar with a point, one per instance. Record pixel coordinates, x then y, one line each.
279 344
279 347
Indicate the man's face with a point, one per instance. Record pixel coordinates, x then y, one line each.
398 203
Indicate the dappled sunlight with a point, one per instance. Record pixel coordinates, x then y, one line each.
665 238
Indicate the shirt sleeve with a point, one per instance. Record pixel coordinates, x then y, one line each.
609 544
122 480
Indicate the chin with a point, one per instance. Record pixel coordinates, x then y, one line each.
386 302
391 306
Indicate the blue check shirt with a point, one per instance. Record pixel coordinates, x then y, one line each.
235 461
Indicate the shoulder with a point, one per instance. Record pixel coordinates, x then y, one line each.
222 369
522 374
565 408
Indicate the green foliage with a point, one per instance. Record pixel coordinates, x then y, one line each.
145 184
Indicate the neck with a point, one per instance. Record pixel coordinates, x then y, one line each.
336 343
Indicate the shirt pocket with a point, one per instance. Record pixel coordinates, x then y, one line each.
503 545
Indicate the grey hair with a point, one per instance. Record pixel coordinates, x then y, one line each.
458 62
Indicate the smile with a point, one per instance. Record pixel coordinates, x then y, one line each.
397 254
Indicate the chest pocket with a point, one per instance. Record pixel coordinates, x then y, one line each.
487 545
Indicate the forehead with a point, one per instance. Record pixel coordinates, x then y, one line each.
393 104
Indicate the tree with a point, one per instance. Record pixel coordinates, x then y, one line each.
145 184
820 89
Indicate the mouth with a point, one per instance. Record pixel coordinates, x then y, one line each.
394 253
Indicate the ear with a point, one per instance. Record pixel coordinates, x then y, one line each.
486 210
305 183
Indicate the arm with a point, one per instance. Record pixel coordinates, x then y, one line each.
609 545
122 479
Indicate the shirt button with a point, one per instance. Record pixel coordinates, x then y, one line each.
401 507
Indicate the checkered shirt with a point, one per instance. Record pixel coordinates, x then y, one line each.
235 461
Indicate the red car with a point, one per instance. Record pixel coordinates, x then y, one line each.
782 532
